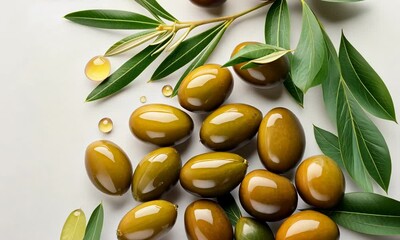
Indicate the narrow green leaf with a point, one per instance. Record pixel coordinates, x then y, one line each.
125 74
156 10
329 144
74 226
112 19
185 52
277 25
310 53
251 52
270 57
132 41
367 213
230 207
364 83
293 90
95 224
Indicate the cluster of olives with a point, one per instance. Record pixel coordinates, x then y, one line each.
264 194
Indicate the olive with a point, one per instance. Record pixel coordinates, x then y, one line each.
156 173
208 3
149 220
280 140
230 126
249 228
267 196
205 88
206 220
308 225
108 167
161 124
213 174
264 76
320 182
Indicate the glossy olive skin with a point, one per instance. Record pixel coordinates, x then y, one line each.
264 76
230 126
320 182
308 225
208 3
108 167
156 173
161 124
206 220
280 141
267 196
149 220
249 228
205 88
213 174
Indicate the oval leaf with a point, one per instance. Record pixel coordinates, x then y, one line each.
74 226
230 207
112 19
156 10
329 144
131 41
95 224
277 25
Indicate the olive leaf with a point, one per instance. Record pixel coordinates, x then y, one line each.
228 203
112 19
156 10
74 227
95 224
367 213
329 144
266 59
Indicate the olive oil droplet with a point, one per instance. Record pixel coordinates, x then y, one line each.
167 90
105 125
143 99
98 68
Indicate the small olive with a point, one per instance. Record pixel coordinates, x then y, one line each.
267 196
156 173
205 88
230 126
264 76
147 221
320 182
280 141
248 228
161 124
308 225
206 220
208 3
108 167
213 174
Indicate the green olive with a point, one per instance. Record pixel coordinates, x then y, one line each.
149 220
161 124
206 220
308 225
280 140
205 88
264 76
213 174
320 182
156 173
249 228
230 126
108 167
208 3
267 196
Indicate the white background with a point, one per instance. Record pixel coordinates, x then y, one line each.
46 125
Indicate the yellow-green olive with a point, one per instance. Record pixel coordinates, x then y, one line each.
249 228
205 88
264 76
230 126
161 124
147 221
320 182
208 3
206 220
280 140
267 196
108 167
156 173
308 225
213 174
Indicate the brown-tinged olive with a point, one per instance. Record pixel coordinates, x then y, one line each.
280 140
205 88
208 3
320 182
161 124
264 76
156 173
108 167
249 228
206 220
230 126
308 225
267 196
147 221
213 174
